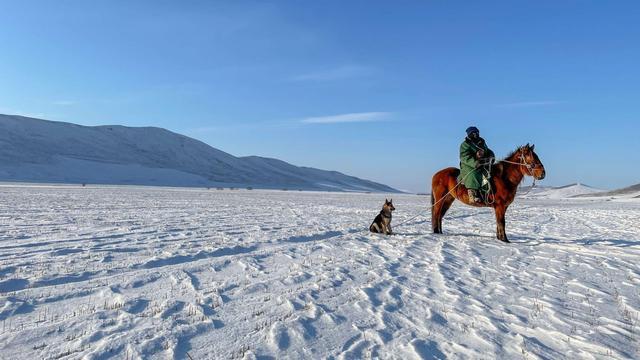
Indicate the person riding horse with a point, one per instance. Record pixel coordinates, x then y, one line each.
475 158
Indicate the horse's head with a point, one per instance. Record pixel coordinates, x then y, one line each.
532 164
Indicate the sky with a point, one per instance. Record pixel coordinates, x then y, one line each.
376 89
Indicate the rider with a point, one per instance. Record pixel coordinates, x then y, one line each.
474 156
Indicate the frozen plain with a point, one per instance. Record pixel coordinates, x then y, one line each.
103 272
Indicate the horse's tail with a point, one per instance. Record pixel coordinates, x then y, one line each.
433 200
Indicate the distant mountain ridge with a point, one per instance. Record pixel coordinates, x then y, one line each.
38 150
562 192
630 191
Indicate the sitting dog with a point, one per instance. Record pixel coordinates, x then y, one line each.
382 223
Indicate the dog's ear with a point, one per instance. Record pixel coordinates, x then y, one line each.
390 201
386 201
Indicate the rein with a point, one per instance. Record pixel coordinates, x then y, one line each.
524 163
529 167
437 202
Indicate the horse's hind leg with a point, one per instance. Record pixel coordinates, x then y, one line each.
436 223
446 204
444 207
440 203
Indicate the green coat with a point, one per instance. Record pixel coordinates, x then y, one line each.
471 177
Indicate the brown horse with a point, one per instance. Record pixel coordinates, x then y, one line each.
506 175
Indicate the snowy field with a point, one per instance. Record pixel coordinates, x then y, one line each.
157 273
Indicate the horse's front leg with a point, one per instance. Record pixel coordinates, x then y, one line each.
501 234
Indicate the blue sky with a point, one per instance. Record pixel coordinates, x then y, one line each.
380 90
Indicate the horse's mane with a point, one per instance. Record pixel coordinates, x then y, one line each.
514 152
499 167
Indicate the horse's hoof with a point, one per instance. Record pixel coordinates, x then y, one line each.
504 240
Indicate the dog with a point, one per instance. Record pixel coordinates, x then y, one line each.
382 223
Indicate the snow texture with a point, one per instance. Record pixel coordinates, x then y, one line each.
103 272
35 150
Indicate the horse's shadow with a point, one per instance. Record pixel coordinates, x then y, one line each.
583 242
613 242
514 239
537 241
524 240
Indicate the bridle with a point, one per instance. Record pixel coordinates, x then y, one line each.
523 162
528 166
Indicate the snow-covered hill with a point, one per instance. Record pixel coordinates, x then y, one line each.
632 191
561 192
37 150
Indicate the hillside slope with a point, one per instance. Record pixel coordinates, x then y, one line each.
48 151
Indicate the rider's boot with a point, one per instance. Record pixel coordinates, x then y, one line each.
473 196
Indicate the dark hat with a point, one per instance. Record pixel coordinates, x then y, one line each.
472 129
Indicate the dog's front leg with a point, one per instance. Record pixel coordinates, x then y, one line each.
389 229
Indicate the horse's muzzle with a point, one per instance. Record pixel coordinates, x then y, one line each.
543 175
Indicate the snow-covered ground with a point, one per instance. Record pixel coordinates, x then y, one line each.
133 272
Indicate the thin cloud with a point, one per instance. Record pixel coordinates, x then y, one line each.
530 103
63 102
234 127
338 73
348 118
